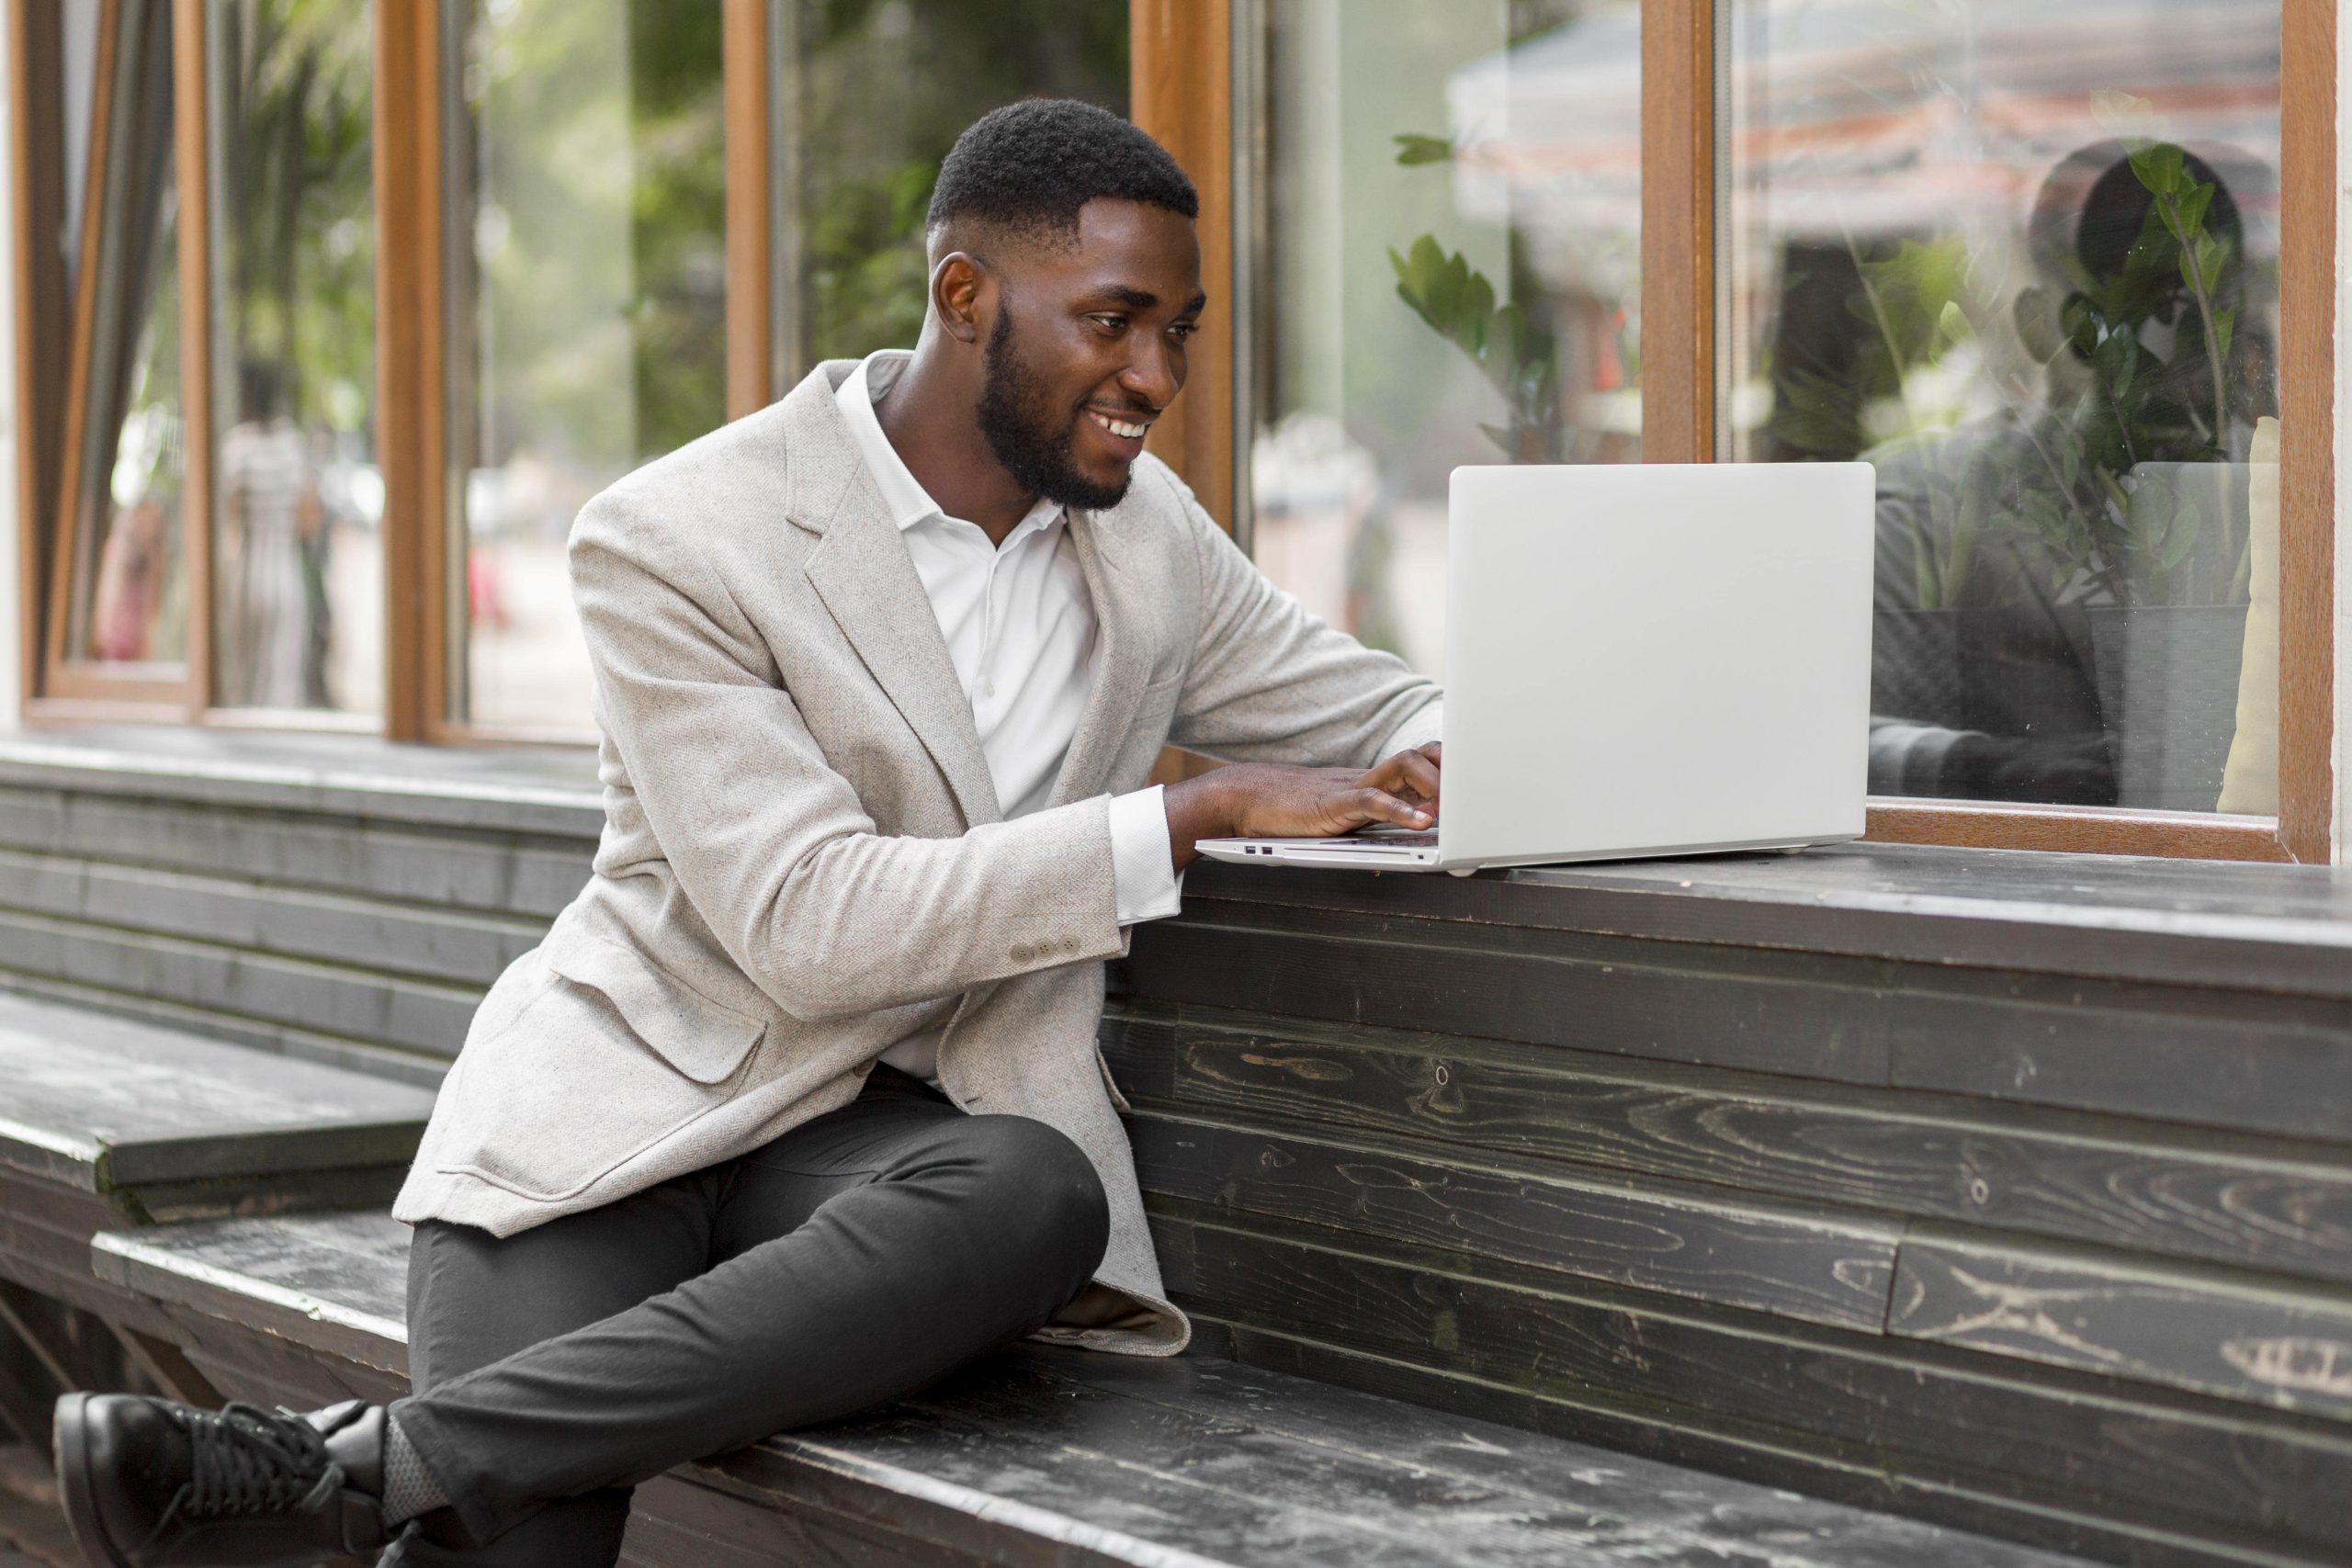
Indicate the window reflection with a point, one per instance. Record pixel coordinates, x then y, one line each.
298 555
1450 201
128 600
870 98
2024 259
587 310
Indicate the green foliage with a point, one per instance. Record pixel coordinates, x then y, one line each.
1413 151
882 89
1511 348
596 226
2057 504
2154 549
297 197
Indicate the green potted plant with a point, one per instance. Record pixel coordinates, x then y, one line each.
1511 346
2158 442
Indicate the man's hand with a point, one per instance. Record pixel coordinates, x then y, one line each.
1266 800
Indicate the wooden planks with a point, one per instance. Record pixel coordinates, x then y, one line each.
2084 1136
2249 1201
491 874
2290 1347
2116 1046
1809 1267
1054 1456
420 942
415 1015
136 1115
335 1283
2271 928
1771 1400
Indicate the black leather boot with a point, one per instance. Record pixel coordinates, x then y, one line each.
150 1483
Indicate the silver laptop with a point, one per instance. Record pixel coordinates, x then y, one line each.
1640 660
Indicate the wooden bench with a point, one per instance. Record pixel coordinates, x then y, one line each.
106 1122
2013 1191
1052 1455
166 901
2009 1192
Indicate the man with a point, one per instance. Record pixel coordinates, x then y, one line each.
1995 539
799 1107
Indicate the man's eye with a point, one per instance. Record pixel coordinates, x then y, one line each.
1183 330
1109 323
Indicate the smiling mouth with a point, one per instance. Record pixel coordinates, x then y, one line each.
1129 429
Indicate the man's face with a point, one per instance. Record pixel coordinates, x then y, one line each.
1087 348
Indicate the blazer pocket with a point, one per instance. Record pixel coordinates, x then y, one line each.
612 1057
704 1040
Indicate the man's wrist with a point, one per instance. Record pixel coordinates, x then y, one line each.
1198 808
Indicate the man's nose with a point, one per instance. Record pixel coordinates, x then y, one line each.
1155 375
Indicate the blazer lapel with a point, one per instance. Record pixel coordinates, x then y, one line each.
861 569
1123 661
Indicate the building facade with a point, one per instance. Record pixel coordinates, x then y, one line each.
2068 276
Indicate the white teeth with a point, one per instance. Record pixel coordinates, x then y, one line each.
1117 427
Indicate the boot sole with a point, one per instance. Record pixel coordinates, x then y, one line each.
71 1439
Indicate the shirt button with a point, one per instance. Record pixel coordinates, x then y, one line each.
988 690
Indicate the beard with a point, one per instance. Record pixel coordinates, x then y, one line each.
1027 432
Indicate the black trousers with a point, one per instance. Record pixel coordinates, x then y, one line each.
859 1256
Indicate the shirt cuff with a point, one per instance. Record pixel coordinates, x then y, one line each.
1423 727
1143 873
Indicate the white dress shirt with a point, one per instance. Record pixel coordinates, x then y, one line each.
1021 631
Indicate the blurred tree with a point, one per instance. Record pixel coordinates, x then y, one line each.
881 89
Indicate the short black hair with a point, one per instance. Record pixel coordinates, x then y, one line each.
1026 169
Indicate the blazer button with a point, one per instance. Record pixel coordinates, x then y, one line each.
1020 953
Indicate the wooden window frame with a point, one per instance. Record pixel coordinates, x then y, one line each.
412 406
73 688
1184 70
1185 54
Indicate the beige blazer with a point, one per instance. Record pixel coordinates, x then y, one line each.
803 858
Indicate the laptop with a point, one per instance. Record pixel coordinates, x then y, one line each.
1640 660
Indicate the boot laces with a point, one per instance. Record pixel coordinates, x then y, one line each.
247 1461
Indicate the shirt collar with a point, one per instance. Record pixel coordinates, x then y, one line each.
902 494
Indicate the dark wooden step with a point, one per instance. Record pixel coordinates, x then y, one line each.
422 941
428 1016
1065 1457
496 832
155 1123
2014 1193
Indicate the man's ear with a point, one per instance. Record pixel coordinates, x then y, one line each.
957 284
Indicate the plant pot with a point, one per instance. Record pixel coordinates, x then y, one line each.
2168 687
2011 673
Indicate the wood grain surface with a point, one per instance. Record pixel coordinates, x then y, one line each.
1948 1159
2274 1343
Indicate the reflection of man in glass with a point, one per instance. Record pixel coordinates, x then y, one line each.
271 598
129 599
1993 539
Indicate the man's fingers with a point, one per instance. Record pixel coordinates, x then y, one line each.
1408 775
1419 773
1370 805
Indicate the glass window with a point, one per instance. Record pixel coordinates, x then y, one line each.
297 560
128 600
1451 199
586 175
869 98
2024 257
